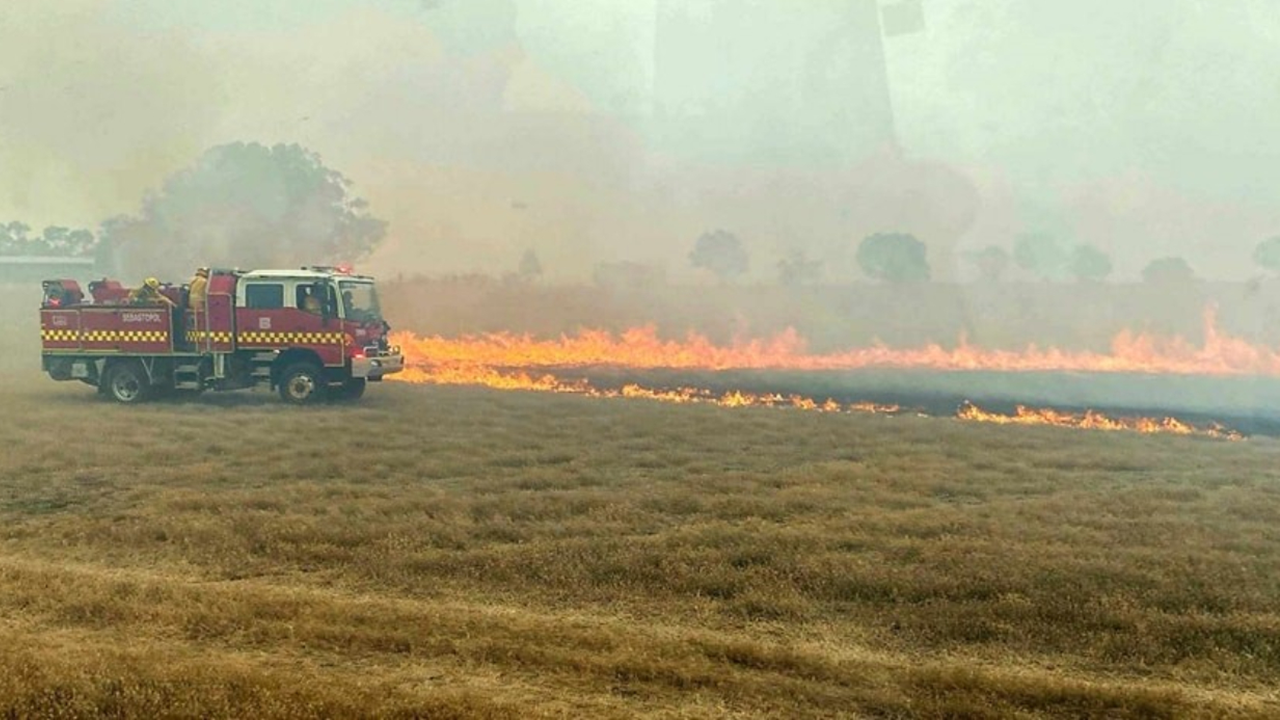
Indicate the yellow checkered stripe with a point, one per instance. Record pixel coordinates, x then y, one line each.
137 336
98 336
70 335
256 337
211 336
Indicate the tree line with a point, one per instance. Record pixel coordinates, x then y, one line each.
903 258
238 205
252 205
17 238
1049 259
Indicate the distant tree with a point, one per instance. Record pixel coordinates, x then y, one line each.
721 252
81 242
51 239
797 269
1089 263
246 205
13 238
894 257
55 240
1267 254
991 262
65 241
530 267
1042 255
1168 271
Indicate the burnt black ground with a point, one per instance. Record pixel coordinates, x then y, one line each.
1250 405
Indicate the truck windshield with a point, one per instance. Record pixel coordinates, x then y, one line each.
359 301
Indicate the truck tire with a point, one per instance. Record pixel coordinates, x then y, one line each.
126 383
352 389
302 384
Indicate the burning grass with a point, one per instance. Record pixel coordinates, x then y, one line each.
427 373
455 552
1219 354
521 362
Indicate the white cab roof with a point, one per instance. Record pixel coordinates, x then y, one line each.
299 275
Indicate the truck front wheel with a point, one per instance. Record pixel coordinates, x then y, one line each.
302 384
352 389
126 383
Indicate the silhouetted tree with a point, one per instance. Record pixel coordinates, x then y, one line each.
1267 254
797 269
894 257
14 239
55 240
1168 271
246 205
721 252
1090 263
530 267
65 241
991 262
1042 255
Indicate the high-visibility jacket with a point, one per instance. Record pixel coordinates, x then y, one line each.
197 291
146 296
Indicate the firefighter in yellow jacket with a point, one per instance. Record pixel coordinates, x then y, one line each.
198 289
149 294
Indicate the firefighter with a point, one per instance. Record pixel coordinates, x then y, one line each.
311 302
149 294
197 289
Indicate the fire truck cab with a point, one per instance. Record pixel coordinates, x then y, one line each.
312 333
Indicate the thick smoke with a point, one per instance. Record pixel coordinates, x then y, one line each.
244 205
610 132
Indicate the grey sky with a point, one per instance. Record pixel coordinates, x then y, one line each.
481 128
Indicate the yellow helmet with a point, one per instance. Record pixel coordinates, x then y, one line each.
152 283
202 272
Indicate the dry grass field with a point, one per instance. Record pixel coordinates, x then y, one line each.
459 553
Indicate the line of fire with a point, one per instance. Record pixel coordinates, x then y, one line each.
1134 386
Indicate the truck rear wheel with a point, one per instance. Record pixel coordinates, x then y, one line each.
302 384
126 383
352 389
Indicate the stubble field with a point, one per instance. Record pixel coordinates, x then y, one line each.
446 552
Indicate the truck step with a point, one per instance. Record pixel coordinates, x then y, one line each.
262 372
265 356
186 376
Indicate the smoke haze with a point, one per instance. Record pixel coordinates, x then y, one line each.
603 131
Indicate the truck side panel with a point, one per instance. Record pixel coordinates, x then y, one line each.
213 330
60 330
281 328
125 329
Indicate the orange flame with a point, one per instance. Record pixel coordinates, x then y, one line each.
518 380
1093 420
641 348
510 362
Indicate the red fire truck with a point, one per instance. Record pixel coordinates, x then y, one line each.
313 333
